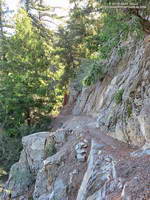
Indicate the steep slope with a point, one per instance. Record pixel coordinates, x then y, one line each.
88 165
121 101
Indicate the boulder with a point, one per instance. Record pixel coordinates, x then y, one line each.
46 181
23 173
34 147
99 172
144 120
81 151
20 179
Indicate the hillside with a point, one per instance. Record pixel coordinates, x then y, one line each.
80 159
75 102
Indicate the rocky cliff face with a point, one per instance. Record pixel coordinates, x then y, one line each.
121 102
102 150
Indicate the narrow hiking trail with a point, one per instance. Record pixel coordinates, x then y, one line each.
129 166
69 121
87 164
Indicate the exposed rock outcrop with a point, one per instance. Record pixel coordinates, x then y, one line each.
22 174
118 101
111 171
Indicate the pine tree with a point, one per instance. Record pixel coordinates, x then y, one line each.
27 83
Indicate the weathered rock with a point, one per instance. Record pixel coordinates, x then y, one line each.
141 152
132 74
82 100
144 120
129 132
60 190
40 189
81 151
73 92
61 136
81 157
46 178
34 147
107 178
23 173
123 120
71 175
20 179
99 172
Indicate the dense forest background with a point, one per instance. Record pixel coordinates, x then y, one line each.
38 63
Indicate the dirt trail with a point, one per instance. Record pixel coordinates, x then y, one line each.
133 170
66 120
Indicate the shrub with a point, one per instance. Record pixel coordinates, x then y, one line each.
118 96
81 73
50 149
116 28
97 72
10 148
129 108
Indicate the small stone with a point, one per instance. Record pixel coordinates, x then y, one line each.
85 140
99 152
81 145
71 175
81 151
81 158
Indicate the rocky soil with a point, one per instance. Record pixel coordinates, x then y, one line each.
87 165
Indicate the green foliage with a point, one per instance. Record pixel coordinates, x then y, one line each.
129 108
97 72
93 37
77 40
118 96
9 150
116 28
27 84
81 73
50 150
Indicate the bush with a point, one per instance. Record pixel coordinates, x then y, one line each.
10 148
28 82
118 96
116 28
50 150
129 108
97 72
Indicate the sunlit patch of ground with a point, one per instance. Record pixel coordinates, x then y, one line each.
3 176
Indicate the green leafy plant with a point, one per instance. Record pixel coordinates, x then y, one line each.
97 72
28 83
9 150
129 108
29 86
118 96
50 149
116 28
